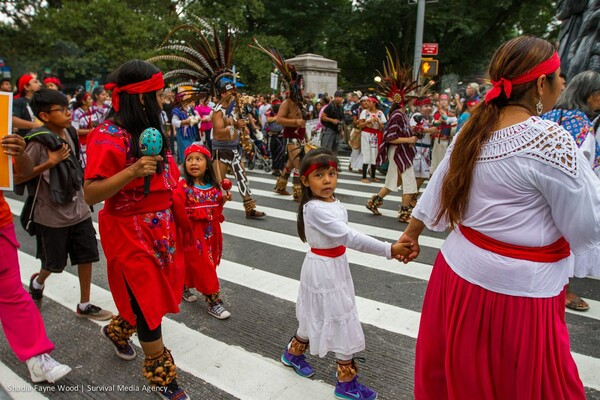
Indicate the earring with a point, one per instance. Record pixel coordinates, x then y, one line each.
539 107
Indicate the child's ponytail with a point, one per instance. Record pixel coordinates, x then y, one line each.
322 157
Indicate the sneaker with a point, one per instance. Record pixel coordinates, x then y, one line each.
218 311
126 352
189 296
94 312
36 294
299 364
354 391
45 368
172 391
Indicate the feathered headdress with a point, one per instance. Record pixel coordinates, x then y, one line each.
396 79
293 80
205 62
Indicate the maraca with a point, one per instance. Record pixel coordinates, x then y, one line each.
226 184
151 143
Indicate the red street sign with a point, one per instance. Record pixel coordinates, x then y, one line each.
429 49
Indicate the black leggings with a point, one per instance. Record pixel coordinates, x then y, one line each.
145 334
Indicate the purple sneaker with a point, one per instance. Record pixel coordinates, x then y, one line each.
299 364
354 391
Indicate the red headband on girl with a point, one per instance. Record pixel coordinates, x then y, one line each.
544 68
21 83
317 166
52 80
196 148
153 84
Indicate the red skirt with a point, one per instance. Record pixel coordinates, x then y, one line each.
200 263
140 253
478 344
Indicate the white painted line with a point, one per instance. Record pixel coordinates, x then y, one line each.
356 193
249 375
343 178
381 315
20 389
350 207
385 233
412 269
232 369
258 235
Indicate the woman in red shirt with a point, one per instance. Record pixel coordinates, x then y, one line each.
138 227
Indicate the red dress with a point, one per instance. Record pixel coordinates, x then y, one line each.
137 232
204 207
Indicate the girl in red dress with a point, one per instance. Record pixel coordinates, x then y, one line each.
138 230
201 193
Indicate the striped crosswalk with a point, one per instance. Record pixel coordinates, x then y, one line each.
259 274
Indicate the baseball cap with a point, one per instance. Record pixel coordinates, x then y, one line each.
473 85
358 93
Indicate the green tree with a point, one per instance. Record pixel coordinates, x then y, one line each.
83 40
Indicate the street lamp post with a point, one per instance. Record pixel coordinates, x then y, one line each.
419 38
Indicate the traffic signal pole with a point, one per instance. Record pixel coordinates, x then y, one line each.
419 38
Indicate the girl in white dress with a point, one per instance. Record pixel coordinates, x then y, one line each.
326 309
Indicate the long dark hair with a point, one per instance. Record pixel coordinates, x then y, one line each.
513 58
133 116
321 157
209 176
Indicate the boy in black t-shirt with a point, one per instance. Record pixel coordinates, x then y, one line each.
23 119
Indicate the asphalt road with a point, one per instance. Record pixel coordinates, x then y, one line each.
238 358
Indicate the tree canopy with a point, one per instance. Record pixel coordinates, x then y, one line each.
87 39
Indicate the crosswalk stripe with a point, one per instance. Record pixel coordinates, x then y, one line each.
223 363
350 207
356 193
18 388
384 233
413 269
381 315
232 369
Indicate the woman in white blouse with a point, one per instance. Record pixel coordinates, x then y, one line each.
523 206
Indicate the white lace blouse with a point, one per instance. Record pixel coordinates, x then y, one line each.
531 185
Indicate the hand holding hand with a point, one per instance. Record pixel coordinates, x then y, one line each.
145 166
59 155
414 247
401 249
14 145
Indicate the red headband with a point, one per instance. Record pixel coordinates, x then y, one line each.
196 148
153 84
317 166
52 80
544 68
21 83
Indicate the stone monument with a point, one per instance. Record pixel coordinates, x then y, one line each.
579 37
320 74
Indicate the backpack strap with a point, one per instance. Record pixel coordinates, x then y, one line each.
75 138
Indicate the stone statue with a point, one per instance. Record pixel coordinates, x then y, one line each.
579 37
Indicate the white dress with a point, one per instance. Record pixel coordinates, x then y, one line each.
531 185
326 308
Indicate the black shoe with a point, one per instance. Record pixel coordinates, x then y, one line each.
36 294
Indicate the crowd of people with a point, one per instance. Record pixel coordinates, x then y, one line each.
513 172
